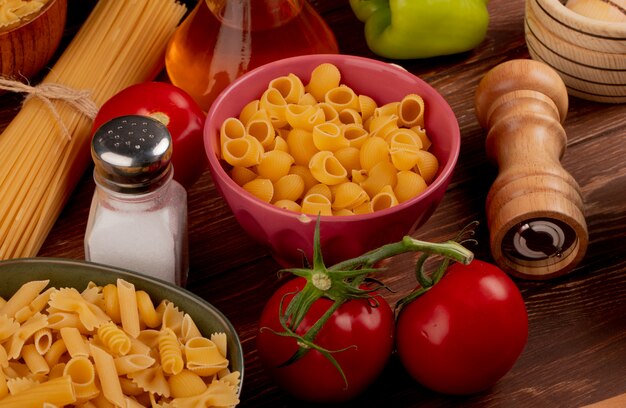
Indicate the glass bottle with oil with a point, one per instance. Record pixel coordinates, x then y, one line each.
222 39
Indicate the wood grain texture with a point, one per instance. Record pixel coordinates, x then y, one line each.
576 352
26 49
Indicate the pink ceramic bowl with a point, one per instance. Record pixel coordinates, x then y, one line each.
287 233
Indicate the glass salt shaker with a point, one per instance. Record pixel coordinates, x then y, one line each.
138 215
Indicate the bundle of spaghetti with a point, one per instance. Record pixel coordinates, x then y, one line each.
44 152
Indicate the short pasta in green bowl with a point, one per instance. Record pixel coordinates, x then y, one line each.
366 145
74 332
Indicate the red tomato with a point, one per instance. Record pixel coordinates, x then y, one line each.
364 331
466 332
177 110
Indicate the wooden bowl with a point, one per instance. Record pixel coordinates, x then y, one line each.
25 49
589 54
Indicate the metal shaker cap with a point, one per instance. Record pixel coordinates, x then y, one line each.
132 154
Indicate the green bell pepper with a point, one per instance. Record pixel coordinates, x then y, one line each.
409 29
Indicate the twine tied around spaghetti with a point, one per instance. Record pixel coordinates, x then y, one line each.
47 92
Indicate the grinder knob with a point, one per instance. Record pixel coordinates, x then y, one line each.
534 207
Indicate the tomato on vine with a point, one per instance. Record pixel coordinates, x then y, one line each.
359 334
464 330
326 335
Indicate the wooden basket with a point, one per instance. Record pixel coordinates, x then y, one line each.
589 54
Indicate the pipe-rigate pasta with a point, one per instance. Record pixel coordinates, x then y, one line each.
305 173
409 185
204 357
321 189
232 128
421 133
365 208
274 165
342 97
328 134
241 175
382 125
247 112
261 188
289 86
427 165
381 175
367 107
315 204
301 146
280 144
186 384
326 168
307 99
273 102
374 150
324 77
260 127
355 135
404 138
350 116
330 113
384 199
411 111
245 151
289 187
304 116
348 195
388 109
403 159
349 157
288 205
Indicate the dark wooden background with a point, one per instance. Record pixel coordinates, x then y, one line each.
576 351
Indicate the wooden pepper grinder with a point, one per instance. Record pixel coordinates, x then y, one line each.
534 207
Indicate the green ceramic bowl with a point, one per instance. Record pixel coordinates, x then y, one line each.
77 274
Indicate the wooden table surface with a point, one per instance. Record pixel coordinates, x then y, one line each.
576 351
